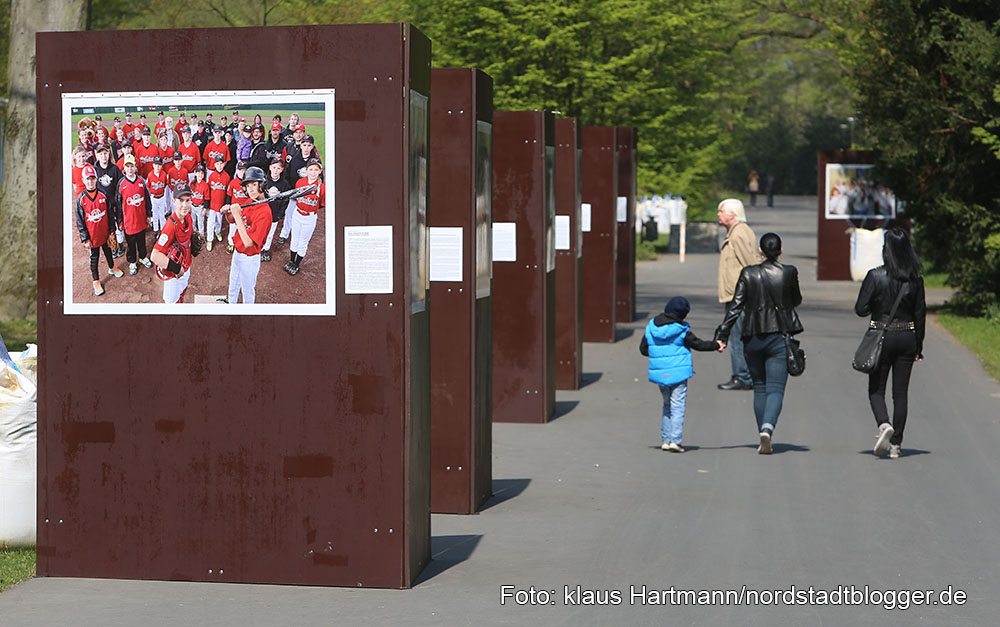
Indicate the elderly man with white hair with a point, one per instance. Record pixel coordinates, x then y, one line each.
738 251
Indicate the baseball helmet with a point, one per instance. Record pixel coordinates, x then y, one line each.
253 173
174 253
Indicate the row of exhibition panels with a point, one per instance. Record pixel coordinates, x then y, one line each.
313 449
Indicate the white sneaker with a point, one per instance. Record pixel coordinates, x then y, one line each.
894 451
765 443
674 447
885 432
665 446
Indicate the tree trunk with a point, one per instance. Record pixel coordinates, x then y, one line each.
18 211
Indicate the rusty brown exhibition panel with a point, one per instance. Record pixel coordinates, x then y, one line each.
460 420
523 291
264 449
569 293
625 283
599 167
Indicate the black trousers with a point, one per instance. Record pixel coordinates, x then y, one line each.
898 352
133 242
95 256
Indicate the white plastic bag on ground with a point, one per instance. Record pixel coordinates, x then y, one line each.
18 443
866 251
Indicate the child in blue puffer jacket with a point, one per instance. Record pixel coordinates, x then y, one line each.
668 342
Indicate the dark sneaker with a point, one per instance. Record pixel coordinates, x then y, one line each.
894 451
735 384
265 255
885 432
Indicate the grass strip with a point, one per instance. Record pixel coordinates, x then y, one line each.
16 565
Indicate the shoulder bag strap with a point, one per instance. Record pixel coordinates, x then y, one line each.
895 305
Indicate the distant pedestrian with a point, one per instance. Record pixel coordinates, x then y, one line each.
769 190
769 293
668 342
738 251
753 186
903 342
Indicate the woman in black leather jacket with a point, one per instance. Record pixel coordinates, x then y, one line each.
904 334
769 293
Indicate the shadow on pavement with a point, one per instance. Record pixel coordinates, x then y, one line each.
504 490
563 408
906 452
589 377
623 334
776 447
447 551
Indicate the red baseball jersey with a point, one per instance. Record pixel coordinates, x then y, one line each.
236 191
310 203
258 222
215 151
127 129
179 125
159 126
192 155
133 199
144 158
157 183
175 175
176 230
218 182
92 207
78 186
167 154
199 192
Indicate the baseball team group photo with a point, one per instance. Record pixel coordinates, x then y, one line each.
198 203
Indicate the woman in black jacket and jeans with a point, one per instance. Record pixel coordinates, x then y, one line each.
904 334
769 293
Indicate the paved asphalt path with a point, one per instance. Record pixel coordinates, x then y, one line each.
588 499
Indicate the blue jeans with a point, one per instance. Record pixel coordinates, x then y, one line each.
739 362
674 404
766 359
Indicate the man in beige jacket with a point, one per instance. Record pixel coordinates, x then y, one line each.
739 250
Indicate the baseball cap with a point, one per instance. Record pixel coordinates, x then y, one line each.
241 164
178 156
276 126
299 127
146 131
199 168
277 159
117 119
89 172
185 129
162 133
181 188
314 161
236 111
97 117
129 159
216 128
159 113
142 115
101 148
309 138
128 114
158 159
201 122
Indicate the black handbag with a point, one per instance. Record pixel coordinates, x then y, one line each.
869 353
795 356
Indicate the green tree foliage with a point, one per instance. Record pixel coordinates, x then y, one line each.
926 72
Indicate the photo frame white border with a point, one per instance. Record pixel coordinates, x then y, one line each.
191 99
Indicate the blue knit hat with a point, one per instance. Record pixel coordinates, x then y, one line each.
677 308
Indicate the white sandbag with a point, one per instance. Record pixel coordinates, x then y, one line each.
18 445
866 251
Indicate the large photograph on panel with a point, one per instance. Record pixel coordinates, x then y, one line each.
854 191
135 244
